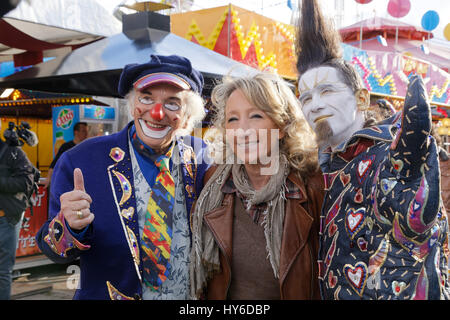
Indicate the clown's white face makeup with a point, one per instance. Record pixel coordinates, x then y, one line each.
326 98
158 113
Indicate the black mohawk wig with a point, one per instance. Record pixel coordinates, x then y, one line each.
317 40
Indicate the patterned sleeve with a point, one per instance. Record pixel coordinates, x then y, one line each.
54 238
406 194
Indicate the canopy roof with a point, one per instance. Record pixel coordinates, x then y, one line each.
438 55
86 16
95 68
386 27
410 39
35 29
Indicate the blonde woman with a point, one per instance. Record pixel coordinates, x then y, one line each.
256 222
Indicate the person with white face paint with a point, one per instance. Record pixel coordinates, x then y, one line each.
255 224
139 184
383 233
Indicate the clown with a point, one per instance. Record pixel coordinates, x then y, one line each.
122 202
383 232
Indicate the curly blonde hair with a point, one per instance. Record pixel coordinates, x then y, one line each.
272 95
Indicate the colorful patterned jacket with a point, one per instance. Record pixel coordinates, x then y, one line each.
383 231
110 257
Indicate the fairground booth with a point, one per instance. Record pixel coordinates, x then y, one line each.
81 85
36 34
386 52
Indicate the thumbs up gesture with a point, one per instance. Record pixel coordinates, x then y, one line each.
75 204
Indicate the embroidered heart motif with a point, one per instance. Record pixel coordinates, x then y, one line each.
358 196
345 178
332 229
363 168
127 213
362 244
398 287
354 221
397 164
387 185
356 276
332 279
189 190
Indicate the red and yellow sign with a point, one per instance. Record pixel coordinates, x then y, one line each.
32 223
242 35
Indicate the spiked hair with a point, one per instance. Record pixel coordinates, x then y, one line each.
318 44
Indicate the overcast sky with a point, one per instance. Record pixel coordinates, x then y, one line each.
278 10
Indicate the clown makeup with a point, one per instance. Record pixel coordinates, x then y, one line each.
157 114
156 132
325 97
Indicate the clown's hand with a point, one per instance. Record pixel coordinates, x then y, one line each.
75 204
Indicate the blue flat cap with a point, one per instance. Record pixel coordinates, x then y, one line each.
172 69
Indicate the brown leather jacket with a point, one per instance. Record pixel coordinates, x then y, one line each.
299 247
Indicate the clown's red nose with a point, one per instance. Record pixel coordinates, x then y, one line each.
157 112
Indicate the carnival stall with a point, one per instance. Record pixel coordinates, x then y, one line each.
36 33
242 35
93 71
267 44
386 74
52 118
387 52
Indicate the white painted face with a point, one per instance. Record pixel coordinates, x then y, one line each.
329 105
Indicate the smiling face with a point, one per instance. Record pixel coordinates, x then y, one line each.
249 131
158 112
329 105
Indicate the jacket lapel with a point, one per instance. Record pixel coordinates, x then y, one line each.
297 225
120 174
220 222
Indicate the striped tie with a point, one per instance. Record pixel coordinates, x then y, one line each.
157 234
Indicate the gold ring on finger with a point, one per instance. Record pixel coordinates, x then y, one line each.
79 214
